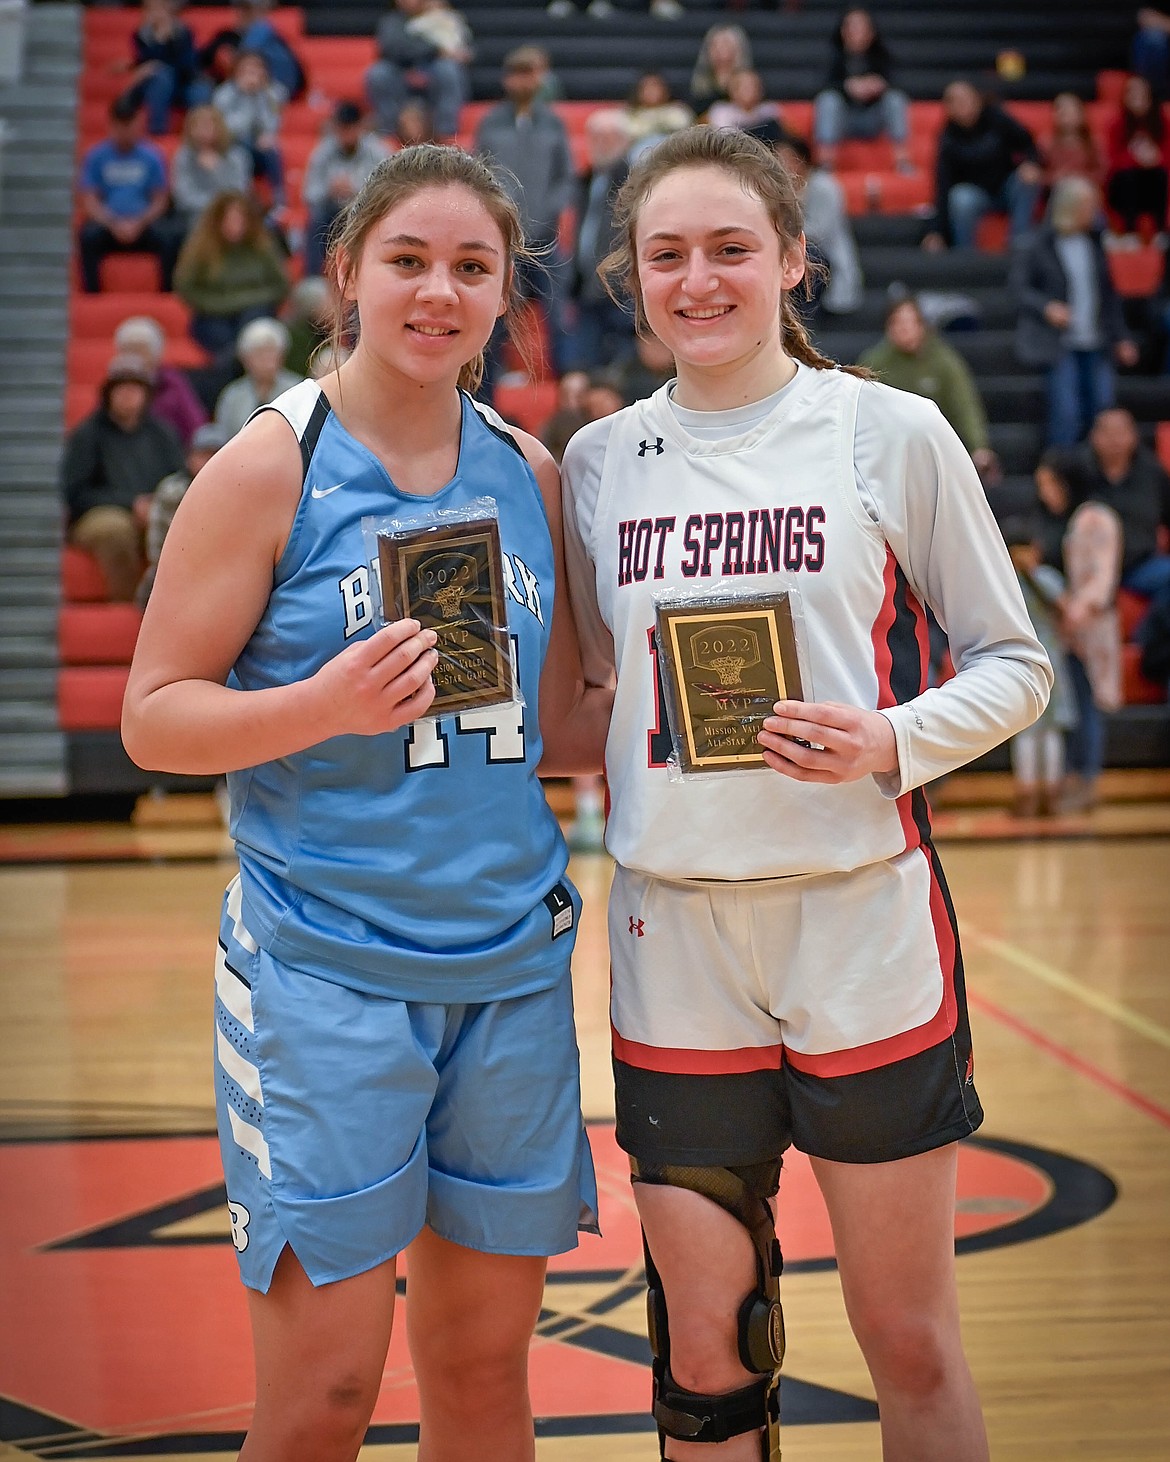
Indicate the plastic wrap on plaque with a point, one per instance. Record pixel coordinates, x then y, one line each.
445 568
727 655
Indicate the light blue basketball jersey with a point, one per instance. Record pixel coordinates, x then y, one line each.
423 864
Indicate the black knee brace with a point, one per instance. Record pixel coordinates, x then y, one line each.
687 1415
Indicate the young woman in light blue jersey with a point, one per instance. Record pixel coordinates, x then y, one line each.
395 1056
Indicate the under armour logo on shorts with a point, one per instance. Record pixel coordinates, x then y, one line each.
655 446
637 927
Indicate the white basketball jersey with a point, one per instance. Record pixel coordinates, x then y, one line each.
779 507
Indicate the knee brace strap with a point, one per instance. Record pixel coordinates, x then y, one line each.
688 1416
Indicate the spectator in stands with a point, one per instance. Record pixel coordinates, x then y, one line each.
262 348
550 88
530 141
229 272
252 30
1037 753
858 99
987 161
338 166
1150 54
828 232
651 367
172 399
123 189
424 48
1114 468
1071 150
167 496
1138 182
653 112
163 68
570 415
113 460
725 49
603 9
414 126
912 357
745 107
1070 319
1085 547
206 163
604 332
251 104
308 316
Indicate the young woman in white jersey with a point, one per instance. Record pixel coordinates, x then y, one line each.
395 1062
785 966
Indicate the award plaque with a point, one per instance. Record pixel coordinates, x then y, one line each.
725 664
449 576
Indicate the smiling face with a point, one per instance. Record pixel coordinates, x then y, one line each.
430 283
710 270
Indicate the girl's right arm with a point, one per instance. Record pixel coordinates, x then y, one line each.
213 583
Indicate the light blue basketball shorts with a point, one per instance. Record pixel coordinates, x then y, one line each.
348 1121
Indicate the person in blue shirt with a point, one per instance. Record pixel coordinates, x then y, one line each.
124 197
395 1056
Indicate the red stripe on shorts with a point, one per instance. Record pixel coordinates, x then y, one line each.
883 664
696 1063
909 1043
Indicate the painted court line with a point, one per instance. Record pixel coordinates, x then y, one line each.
1067 985
1069 1058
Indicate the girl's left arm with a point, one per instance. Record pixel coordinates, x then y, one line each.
943 537
574 711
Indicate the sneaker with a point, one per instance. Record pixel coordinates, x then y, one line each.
560 9
666 9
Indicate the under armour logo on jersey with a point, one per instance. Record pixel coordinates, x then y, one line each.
637 927
655 446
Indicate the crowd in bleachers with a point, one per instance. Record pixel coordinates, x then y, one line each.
216 154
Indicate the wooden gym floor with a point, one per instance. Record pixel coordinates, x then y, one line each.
123 1330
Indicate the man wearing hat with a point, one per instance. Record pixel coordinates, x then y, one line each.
205 442
338 166
113 460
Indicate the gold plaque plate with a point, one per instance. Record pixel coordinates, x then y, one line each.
449 576
724 665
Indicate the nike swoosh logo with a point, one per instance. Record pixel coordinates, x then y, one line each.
325 491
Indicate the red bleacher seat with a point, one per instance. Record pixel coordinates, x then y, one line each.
97 634
82 581
1136 273
89 697
1162 443
80 400
1136 690
87 360
903 192
1110 85
131 274
992 233
528 405
1131 610
870 156
97 316
858 196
